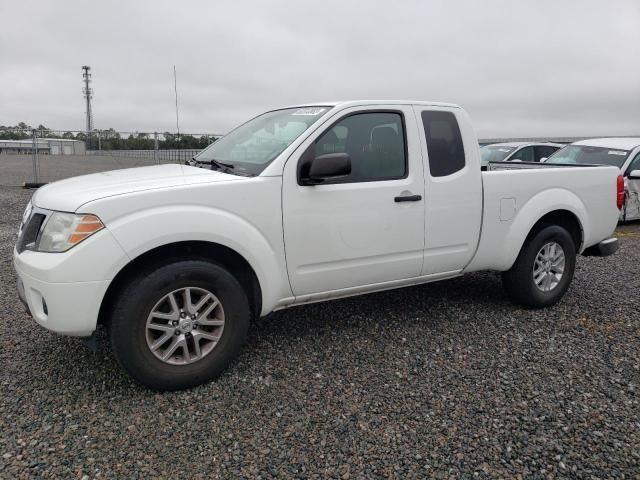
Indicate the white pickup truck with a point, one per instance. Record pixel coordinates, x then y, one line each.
298 205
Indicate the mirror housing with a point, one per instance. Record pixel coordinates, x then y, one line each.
634 175
542 159
326 167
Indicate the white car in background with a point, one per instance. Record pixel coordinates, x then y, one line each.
518 151
623 153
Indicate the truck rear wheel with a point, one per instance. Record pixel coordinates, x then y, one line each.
544 268
179 325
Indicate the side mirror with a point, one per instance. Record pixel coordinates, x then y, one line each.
516 160
634 175
543 159
326 167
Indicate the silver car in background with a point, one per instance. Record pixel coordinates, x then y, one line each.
518 151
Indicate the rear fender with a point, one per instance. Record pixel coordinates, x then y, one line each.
502 241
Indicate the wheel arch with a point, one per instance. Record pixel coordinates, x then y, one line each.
557 206
562 217
215 252
565 219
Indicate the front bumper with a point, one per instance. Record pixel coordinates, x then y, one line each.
22 295
63 292
65 308
603 249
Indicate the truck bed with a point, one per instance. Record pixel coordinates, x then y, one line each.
517 194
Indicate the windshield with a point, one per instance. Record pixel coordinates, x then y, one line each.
251 147
584 154
495 153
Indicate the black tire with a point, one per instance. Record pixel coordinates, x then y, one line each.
136 299
519 282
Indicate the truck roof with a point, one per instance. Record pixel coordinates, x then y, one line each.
359 103
626 143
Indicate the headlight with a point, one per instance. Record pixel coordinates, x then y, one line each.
64 230
27 212
25 217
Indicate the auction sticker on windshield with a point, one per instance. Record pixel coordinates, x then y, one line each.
310 111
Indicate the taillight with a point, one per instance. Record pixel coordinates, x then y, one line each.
620 192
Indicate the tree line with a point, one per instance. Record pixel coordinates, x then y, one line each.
110 139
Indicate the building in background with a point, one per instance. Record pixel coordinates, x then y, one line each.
46 146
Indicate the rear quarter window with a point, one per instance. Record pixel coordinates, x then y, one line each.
444 142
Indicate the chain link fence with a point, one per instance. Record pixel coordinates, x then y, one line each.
32 156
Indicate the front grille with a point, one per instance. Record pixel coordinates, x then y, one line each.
30 232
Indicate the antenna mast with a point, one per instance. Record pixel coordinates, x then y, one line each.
175 89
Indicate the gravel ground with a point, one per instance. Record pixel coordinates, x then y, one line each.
446 380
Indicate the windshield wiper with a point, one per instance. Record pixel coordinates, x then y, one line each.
221 165
215 163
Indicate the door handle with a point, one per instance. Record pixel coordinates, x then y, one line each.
408 198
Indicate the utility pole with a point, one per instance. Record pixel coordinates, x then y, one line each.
88 95
36 160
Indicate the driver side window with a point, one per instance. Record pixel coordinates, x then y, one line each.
374 141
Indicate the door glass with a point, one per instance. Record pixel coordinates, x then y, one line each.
444 143
375 142
524 154
544 151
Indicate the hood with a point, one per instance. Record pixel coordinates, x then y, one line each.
70 194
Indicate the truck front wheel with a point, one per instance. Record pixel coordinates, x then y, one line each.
544 268
179 325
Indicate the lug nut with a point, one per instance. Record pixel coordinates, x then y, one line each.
177 332
182 314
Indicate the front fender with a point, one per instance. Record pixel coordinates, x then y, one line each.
144 230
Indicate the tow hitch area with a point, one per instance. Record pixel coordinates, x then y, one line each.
603 249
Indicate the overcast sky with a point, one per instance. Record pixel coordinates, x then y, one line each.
520 68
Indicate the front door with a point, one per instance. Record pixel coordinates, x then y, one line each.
365 228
